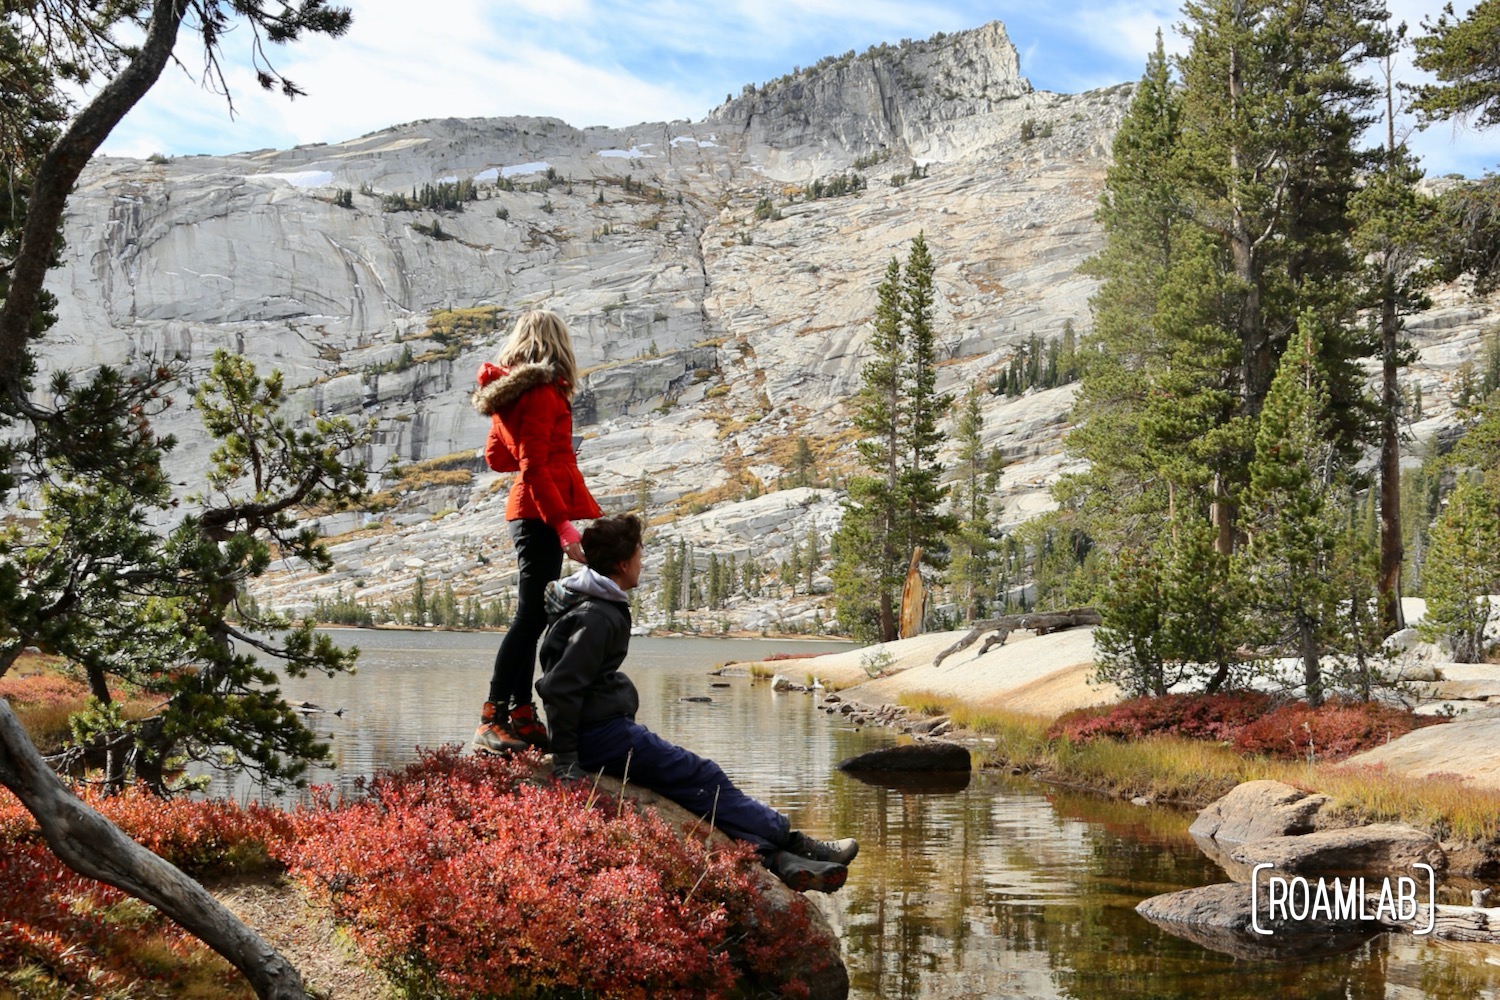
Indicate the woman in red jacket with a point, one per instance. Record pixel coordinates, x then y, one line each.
528 396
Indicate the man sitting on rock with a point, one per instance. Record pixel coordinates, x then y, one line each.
591 710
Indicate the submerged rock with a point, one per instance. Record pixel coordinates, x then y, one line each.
1223 918
932 755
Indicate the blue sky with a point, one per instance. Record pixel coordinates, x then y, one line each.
616 62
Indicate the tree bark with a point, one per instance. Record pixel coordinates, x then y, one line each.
56 175
93 846
1391 548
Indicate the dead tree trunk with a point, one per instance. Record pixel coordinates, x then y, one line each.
93 846
1041 622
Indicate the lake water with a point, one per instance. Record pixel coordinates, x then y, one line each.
1001 888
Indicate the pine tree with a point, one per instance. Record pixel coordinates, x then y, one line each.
803 463
973 542
890 513
1461 569
1393 223
923 526
871 565
812 557
1271 110
1292 510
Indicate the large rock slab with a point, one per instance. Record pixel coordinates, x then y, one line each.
1221 917
819 964
1381 850
1467 748
933 756
1258 810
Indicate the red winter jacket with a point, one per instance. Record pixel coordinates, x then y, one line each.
531 432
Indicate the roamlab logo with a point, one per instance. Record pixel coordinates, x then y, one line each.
1387 900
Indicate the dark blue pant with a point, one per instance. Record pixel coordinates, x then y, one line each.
698 785
539 556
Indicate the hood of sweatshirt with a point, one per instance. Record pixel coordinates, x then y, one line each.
563 594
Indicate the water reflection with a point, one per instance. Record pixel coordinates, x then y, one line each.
999 888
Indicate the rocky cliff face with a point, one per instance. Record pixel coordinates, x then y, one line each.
720 311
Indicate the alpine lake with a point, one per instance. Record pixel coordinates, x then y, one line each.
996 886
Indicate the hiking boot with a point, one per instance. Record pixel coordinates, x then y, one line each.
840 852
524 723
805 874
495 735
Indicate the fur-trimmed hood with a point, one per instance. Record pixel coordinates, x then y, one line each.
500 386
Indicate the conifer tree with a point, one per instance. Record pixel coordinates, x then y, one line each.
1462 569
923 525
889 513
870 566
1392 235
973 541
1292 513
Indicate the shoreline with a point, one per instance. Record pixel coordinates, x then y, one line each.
999 705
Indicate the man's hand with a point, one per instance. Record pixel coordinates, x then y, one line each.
565 767
574 551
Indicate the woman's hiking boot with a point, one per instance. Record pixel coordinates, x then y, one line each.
838 851
495 735
524 723
805 874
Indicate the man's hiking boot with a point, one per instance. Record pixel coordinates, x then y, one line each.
524 723
840 852
495 735
805 874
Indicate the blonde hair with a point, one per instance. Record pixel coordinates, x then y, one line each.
541 337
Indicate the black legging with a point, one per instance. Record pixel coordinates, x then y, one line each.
539 555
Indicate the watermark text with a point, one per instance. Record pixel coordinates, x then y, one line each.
1298 899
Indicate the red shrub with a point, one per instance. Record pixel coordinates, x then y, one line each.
461 878
92 936
42 689
1332 731
1196 716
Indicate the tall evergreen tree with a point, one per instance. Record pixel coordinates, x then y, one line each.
890 513
870 565
973 540
923 525
1462 54
1272 107
1462 569
1292 513
1391 235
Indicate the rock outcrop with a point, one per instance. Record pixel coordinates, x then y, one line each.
1382 850
1222 917
720 310
819 964
1258 810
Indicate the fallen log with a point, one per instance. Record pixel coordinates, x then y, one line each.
1040 622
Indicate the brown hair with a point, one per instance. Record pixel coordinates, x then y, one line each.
541 337
609 542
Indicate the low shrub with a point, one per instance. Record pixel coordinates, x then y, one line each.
1252 722
461 877
1332 731
60 930
1196 716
